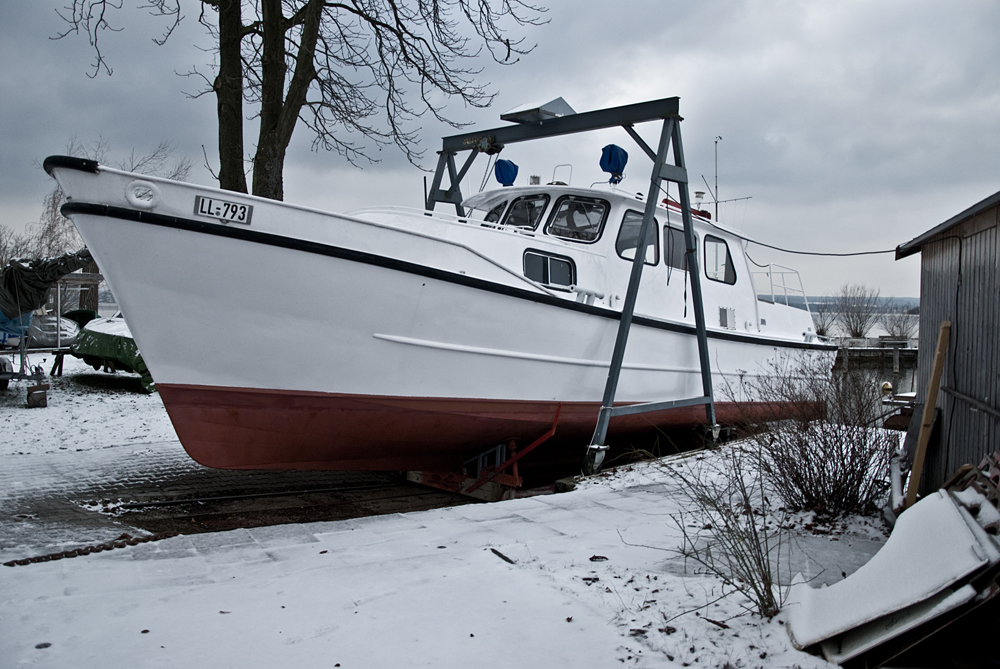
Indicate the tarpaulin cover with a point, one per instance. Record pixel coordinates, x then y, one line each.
108 340
25 283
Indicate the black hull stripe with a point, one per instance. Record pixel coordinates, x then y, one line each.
254 236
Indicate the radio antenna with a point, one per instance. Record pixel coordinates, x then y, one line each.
718 138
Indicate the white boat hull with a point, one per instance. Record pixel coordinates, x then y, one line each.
311 340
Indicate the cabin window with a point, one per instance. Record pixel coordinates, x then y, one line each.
628 238
718 262
526 212
495 213
549 269
674 248
578 218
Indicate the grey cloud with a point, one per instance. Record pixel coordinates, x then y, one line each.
850 123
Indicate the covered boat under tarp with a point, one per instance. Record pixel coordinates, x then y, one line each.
24 284
108 343
24 287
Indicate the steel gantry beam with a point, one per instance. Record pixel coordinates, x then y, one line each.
492 141
665 110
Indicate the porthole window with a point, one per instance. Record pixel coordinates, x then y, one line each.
526 212
628 238
718 262
578 218
549 269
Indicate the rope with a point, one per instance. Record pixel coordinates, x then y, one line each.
486 174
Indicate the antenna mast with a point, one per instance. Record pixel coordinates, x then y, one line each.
716 194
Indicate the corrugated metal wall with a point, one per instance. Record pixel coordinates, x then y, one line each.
960 267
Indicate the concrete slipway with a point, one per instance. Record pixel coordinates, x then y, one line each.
429 588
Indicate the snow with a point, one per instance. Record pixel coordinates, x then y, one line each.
595 579
93 414
110 326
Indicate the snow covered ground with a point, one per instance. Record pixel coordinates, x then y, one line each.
87 409
587 578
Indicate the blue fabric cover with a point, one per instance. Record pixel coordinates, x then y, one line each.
613 160
15 326
505 172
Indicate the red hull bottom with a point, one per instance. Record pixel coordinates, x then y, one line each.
244 428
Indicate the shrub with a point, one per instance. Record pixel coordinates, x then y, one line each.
834 464
728 525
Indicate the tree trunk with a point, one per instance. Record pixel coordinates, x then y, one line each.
229 93
279 111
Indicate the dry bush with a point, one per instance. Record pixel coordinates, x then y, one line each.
834 464
729 526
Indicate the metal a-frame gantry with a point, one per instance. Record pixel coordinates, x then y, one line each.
665 110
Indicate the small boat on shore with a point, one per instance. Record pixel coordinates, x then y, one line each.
107 343
409 339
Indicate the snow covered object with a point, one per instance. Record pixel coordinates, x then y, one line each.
108 341
939 562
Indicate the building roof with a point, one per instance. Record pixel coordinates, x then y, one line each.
914 245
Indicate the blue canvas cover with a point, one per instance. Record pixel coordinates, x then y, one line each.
12 329
506 172
613 161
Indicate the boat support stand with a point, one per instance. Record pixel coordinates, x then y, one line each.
670 137
491 142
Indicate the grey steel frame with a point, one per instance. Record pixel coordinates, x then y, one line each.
665 110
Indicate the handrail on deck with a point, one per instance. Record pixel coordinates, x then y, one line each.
774 271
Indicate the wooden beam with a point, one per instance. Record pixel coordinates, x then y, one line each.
916 471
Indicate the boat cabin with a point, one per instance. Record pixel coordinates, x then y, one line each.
579 243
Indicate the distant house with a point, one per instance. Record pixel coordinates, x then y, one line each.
960 282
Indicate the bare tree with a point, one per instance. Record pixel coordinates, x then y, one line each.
898 322
357 68
12 245
159 162
857 309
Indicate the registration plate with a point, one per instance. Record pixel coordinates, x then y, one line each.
231 212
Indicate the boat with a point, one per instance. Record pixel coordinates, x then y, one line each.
107 343
395 338
24 288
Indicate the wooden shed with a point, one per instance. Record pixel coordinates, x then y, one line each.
959 282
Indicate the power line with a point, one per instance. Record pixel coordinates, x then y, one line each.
813 253
778 248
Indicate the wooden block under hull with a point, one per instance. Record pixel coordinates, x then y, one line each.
491 491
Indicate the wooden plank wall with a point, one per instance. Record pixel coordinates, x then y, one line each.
970 298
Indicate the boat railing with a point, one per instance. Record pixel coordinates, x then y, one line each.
778 284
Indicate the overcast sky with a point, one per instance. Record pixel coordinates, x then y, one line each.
852 125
